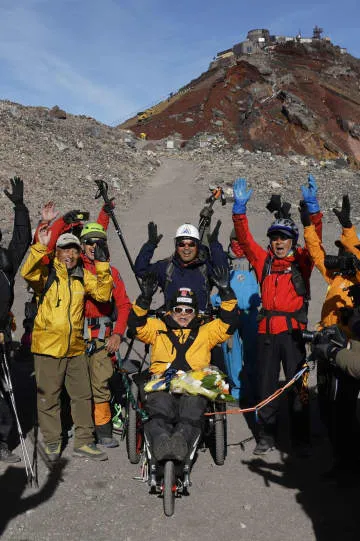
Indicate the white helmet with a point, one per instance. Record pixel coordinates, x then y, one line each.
187 231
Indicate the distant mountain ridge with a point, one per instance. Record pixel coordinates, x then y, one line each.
291 97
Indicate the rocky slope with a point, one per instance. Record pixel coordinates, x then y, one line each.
60 155
298 98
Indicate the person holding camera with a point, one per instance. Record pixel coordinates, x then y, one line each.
283 271
10 260
105 324
57 339
337 391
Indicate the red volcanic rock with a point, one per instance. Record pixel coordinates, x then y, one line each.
297 98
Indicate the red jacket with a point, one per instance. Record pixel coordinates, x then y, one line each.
277 290
94 309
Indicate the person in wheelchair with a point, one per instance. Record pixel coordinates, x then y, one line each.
180 340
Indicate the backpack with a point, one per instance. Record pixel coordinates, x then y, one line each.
245 286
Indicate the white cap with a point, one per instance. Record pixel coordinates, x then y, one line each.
67 239
187 231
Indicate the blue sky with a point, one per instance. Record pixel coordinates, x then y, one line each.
110 58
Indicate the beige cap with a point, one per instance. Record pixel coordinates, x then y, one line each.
66 239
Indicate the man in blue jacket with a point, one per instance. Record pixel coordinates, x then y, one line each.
191 265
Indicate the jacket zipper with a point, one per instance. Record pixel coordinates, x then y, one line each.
69 314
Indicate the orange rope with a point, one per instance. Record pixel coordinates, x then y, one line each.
264 402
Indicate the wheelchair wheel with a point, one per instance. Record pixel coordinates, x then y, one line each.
169 488
134 434
219 439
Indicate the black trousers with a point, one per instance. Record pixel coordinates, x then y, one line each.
273 351
171 412
338 396
6 419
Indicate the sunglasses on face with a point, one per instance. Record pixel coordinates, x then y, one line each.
189 244
183 310
90 242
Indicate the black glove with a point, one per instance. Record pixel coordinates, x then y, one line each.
149 284
304 214
101 252
72 216
17 195
221 279
154 238
213 236
343 215
274 204
109 207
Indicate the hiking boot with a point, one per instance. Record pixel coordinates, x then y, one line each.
179 446
104 435
108 442
162 447
90 451
263 447
53 451
7 456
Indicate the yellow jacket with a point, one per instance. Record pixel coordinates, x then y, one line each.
153 331
337 295
58 326
351 242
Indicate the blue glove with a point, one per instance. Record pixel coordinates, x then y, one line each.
241 196
309 195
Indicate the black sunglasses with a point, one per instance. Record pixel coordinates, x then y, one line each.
190 244
90 242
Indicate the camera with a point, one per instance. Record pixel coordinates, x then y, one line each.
83 216
342 264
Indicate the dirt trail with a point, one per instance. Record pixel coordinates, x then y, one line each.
246 499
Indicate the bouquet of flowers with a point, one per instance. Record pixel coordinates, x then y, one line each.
209 382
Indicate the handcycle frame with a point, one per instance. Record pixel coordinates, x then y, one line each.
171 479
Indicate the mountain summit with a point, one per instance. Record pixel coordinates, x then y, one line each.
272 93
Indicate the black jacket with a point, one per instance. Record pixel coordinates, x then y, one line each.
10 260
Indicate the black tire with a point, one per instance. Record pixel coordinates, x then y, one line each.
219 439
134 433
169 492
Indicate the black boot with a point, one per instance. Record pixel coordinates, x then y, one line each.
104 435
266 441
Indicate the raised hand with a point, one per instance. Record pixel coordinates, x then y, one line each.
48 212
221 279
241 196
309 195
44 235
17 187
154 238
343 215
149 285
101 252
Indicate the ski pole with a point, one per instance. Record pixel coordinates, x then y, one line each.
10 390
103 192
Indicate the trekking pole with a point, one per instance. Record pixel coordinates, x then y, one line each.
217 192
10 390
103 192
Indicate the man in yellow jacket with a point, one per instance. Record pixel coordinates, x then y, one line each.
180 341
57 338
337 391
